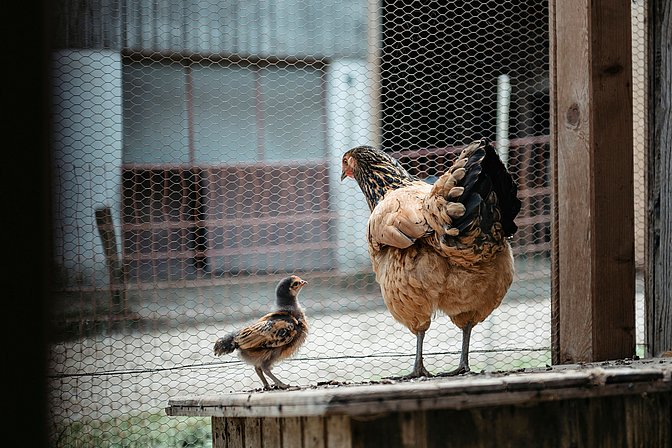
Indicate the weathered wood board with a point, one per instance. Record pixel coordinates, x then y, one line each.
625 403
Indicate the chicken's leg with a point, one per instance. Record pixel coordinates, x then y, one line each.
419 367
463 367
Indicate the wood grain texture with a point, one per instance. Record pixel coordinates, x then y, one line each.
252 431
592 133
338 431
313 432
270 432
553 141
218 427
572 139
613 313
561 382
292 434
659 244
625 404
233 433
413 429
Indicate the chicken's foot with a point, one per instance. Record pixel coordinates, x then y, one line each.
463 367
419 366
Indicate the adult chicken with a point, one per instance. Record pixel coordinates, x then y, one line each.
272 338
441 247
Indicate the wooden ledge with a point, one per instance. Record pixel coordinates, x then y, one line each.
465 392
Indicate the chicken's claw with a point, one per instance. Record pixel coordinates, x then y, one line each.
458 371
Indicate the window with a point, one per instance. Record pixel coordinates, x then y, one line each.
225 169
214 114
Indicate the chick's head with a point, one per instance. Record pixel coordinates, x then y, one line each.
288 289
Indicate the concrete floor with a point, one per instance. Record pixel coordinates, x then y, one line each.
134 367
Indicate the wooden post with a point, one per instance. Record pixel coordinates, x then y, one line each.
114 267
659 219
593 294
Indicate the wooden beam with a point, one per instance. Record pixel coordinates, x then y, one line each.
591 137
113 260
524 389
659 220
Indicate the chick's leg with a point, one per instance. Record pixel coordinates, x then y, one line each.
463 367
278 383
262 377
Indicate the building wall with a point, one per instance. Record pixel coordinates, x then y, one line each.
87 145
92 35
241 27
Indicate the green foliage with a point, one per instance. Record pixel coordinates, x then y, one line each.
145 430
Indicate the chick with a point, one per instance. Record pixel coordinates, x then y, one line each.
274 337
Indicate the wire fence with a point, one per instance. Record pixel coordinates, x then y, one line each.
197 150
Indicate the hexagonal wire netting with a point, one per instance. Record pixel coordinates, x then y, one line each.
197 150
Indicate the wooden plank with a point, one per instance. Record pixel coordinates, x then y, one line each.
647 376
339 432
656 411
113 260
592 133
292 434
234 432
659 217
413 429
613 329
313 432
635 420
271 435
218 425
252 433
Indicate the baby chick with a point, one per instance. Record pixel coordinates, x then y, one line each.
272 338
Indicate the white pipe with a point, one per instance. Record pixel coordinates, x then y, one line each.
503 101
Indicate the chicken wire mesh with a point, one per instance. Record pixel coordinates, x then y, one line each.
197 150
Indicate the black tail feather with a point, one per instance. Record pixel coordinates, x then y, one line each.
486 174
505 188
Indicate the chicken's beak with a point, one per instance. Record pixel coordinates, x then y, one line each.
346 169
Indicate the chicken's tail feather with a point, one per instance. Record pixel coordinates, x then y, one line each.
226 344
479 183
505 188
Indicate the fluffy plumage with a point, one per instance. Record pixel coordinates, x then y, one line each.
272 338
440 247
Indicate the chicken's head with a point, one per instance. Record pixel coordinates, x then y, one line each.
347 165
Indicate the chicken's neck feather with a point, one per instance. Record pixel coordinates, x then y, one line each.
375 183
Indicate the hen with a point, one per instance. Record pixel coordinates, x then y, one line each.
274 337
439 247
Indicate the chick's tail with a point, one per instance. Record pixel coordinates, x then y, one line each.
226 344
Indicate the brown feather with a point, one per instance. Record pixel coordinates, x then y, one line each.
422 261
275 336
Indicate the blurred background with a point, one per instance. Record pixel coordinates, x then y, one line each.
195 162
